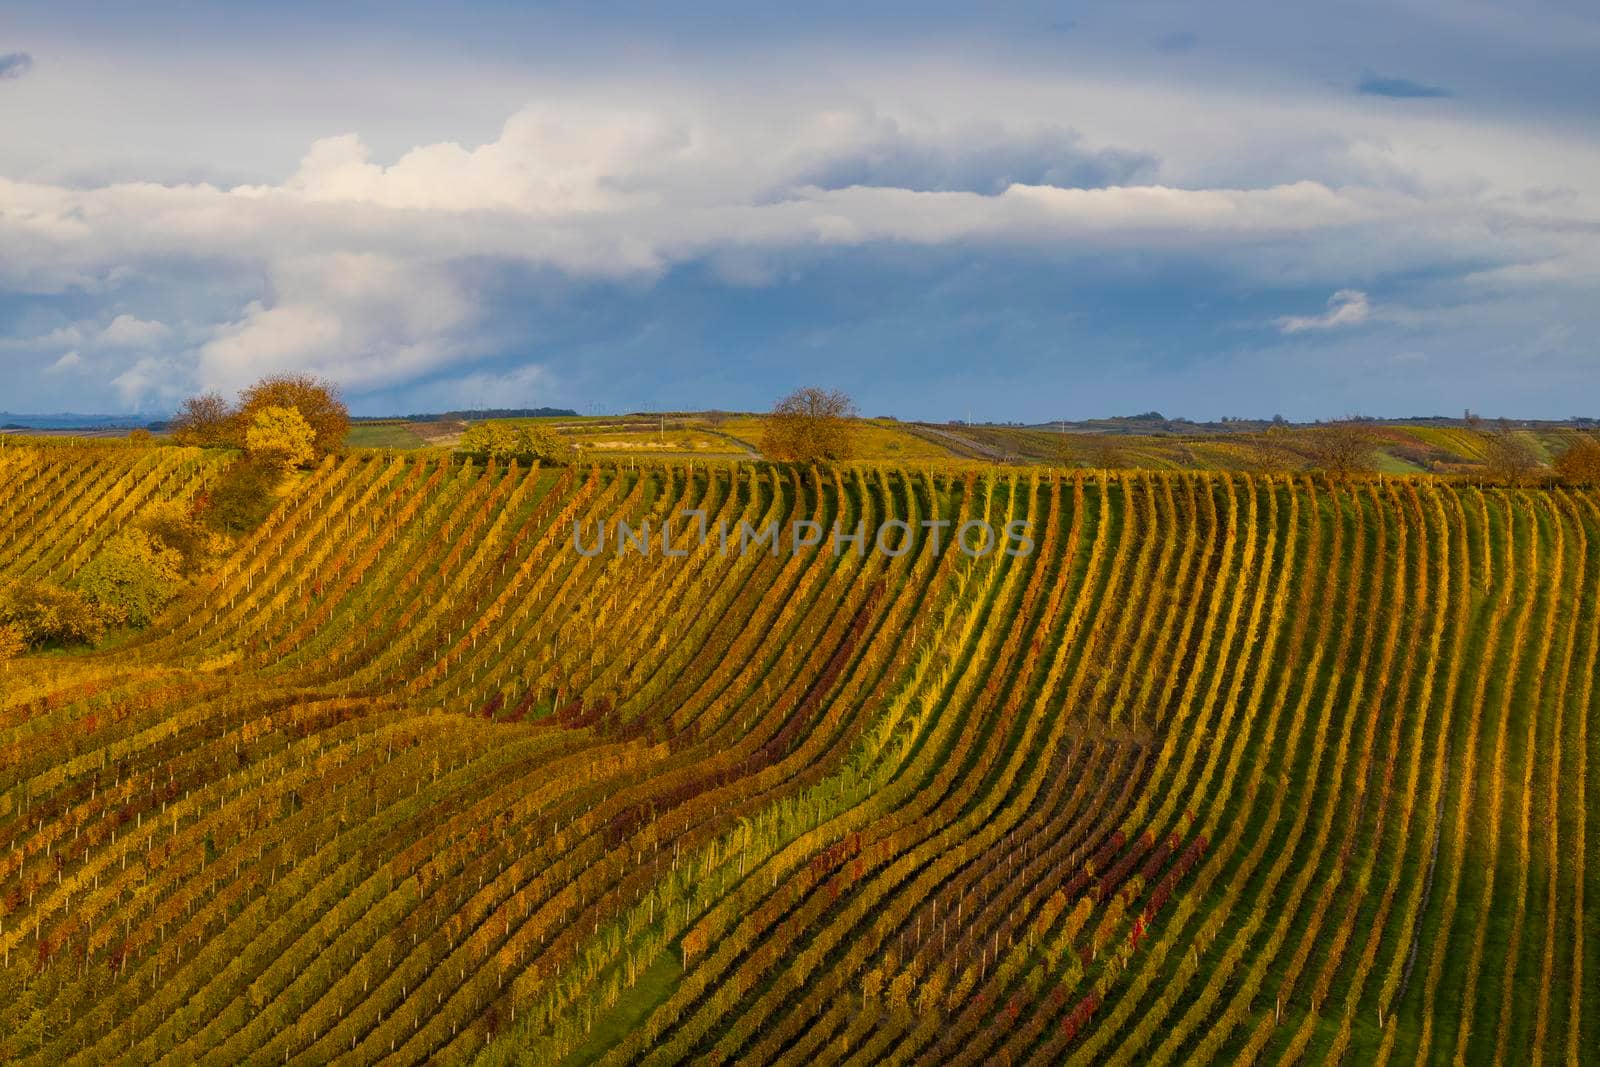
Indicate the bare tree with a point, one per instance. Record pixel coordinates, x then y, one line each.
1508 457
206 420
809 425
1274 449
1339 448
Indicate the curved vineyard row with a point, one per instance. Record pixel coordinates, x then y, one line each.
1227 767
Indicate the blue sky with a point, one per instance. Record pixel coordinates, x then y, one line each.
1026 211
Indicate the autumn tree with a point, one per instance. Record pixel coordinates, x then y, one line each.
316 399
1340 448
207 421
280 437
492 438
1579 464
810 425
43 613
1508 456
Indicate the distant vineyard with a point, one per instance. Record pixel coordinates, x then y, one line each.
1231 767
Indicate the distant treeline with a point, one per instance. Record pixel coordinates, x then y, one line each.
67 421
476 413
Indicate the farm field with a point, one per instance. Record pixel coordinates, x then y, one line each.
385 435
1232 766
1395 448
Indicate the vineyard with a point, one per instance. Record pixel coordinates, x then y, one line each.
1231 767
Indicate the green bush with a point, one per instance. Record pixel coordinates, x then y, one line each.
243 499
502 441
132 577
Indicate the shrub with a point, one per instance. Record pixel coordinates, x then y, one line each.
243 498
12 643
503 441
132 577
173 523
44 614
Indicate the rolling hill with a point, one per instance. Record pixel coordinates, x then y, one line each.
1231 766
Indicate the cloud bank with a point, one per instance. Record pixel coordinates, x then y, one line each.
368 265
612 238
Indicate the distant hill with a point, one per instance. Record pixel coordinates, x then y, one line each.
67 420
476 413
70 421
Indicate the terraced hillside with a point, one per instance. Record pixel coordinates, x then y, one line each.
1229 767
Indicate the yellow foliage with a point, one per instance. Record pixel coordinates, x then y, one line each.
900 990
872 984
281 437
12 642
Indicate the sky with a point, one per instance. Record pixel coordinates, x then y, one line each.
1007 212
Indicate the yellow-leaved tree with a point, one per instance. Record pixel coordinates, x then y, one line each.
317 401
280 437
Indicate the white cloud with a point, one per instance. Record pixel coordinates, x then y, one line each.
1347 307
69 361
362 319
367 271
529 385
127 331
151 381
367 266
